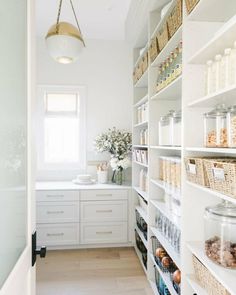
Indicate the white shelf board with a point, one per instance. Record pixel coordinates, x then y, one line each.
142 193
224 38
213 193
143 81
226 96
165 277
140 146
168 148
158 182
170 46
225 276
139 125
161 206
168 247
141 101
140 258
142 213
140 164
213 11
170 92
211 150
154 287
195 285
142 237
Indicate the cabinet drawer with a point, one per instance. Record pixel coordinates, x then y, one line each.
44 196
54 212
98 233
96 195
57 234
103 211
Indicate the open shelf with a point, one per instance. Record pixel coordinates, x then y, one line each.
170 46
141 236
168 247
161 206
141 193
213 193
143 81
158 183
140 125
195 285
225 276
142 213
211 150
141 146
141 101
224 38
170 92
226 96
168 148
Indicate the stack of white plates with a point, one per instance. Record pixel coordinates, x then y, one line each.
84 179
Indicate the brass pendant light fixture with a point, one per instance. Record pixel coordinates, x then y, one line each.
64 40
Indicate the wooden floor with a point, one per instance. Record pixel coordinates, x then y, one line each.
91 272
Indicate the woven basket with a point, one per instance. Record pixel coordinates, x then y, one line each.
153 49
175 18
190 4
145 62
195 171
163 36
207 280
222 175
139 71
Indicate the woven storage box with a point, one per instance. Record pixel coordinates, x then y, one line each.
175 18
190 4
139 71
163 36
195 171
207 280
222 175
153 49
145 62
135 78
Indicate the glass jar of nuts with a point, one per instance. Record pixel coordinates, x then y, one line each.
220 234
215 127
231 118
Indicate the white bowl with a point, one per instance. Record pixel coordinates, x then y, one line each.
84 177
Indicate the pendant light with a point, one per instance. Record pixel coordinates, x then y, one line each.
65 41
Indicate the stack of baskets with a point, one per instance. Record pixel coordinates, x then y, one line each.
217 173
207 280
190 4
141 67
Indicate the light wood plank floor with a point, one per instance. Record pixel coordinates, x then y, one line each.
114 271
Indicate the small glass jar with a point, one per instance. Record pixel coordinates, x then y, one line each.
220 234
165 129
215 127
177 126
225 69
231 122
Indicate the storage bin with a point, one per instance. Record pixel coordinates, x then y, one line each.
231 122
163 36
195 171
222 175
139 243
174 20
142 225
153 49
161 286
207 280
142 203
190 4
145 62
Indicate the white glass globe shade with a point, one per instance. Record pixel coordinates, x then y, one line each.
64 49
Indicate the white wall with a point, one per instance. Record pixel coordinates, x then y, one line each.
105 68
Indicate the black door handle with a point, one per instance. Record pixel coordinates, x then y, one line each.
41 252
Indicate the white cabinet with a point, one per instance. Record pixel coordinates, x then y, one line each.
75 216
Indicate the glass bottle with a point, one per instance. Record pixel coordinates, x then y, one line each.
225 69
159 78
172 58
232 77
178 65
168 74
231 123
220 234
209 77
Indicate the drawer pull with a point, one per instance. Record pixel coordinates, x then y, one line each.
104 211
104 195
56 235
55 212
103 232
55 196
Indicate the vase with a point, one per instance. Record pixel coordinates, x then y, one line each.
119 177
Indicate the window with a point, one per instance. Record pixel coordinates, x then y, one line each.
61 126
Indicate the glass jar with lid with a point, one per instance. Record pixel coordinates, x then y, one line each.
165 129
176 130
220 234
215 127
231 118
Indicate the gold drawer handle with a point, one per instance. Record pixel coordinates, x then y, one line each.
104 232
104 195
104 211
55 212
55 235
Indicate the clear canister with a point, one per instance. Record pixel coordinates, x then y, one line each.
176 130
231 123
165 129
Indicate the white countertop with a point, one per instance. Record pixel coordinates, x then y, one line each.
69 185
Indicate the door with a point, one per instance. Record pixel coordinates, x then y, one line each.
16 194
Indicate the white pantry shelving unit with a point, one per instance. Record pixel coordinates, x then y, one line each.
206 31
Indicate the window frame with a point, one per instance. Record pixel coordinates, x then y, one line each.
62 168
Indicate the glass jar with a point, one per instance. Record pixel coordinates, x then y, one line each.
139 115
176 130
165 129
217 72
232 75
215 127
159 78
231 122
209 77
225 69
220 234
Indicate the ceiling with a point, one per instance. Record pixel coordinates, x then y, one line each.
98 19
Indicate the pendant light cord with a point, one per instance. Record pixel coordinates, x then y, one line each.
59 14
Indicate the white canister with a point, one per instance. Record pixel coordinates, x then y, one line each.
102 176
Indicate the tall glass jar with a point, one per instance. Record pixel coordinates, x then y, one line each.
215 127
233 65
217 72
165 129
177 126
231 122
225 69
220 234
209 72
